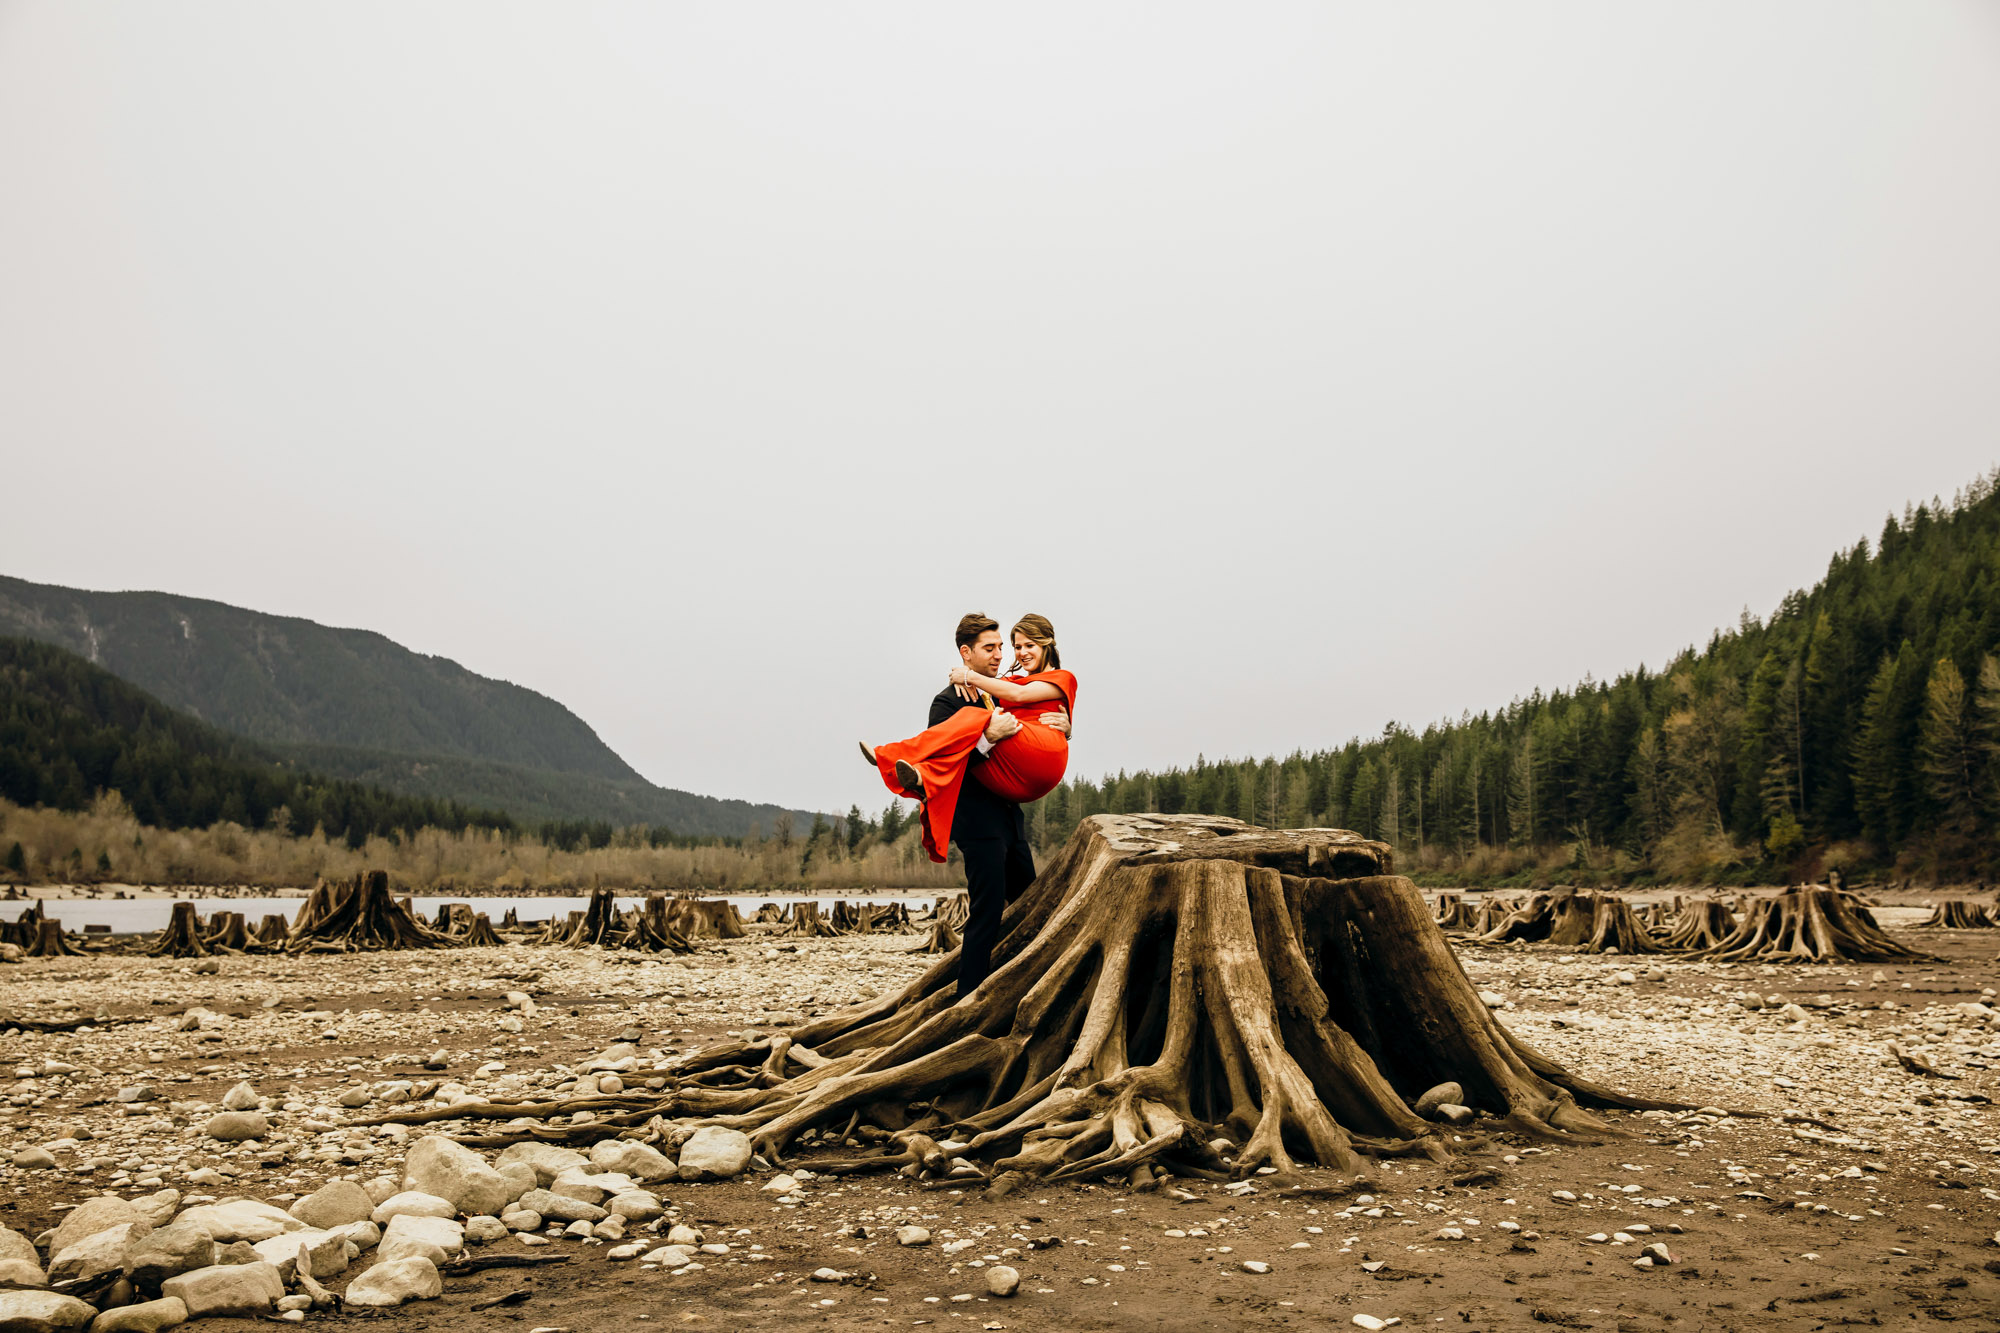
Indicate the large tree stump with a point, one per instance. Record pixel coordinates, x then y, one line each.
707 919
182 937
1810 925
271 933
1167 979
326 895
480 934
1453 912
369 918
1702 923
1960 914
49 941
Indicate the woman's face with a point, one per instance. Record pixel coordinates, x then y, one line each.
1027 654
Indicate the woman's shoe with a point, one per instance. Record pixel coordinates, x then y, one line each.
913 782
868 753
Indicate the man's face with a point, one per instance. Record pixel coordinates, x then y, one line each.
983 655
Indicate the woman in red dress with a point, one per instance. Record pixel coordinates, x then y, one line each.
1026 766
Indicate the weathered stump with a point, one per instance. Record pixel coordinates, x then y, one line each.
182 937
954 909
770 914
1702 923
806 920
49 941
320 904
1167 979
1810 925
1453 912
367 919
942 939
1614 925
1960 914
707 919
228 932
480 934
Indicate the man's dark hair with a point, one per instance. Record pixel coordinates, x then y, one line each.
971 626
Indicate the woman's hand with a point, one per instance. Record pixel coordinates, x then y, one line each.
966 690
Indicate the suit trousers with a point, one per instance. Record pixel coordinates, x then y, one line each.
997 871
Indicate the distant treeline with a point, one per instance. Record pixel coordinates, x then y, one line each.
70 730
1858 727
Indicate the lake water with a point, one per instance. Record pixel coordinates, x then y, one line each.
137 915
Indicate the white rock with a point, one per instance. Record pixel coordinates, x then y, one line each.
237 1126
20 1264
240 1219
334 1204
410 1233
178 1247
414 1202
481 1230
394 1282
635 1206
92 1216
1002 1280
242 1097
1255 1266
715 1153
779 1184
227 1289
913 1235
453 1172
99 1252
42 1312
326 1252
546 1159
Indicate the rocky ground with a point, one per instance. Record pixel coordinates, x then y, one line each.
1879 1207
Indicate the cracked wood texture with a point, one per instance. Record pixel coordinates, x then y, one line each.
1165 980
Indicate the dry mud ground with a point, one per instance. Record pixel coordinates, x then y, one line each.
1885 1220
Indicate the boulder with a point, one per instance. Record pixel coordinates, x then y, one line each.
42 1312
714 1153
242 1097
1444 1094
479 1230
396 1281
176 1248
545 1159
414 1202
520 1178
334 1204
365 1234
158 1208
92 1216
452 1171
147 1317
241 1219
557 1208
20 1264
236 1127
227 1289
636 1206
99 1252
326 1252
436 1238
637 1160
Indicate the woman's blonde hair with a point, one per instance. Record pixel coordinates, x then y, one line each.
1037 630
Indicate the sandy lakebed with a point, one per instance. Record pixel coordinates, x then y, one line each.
1884 1214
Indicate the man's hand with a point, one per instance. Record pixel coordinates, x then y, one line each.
1001 725
1058 719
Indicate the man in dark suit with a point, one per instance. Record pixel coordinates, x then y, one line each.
990 833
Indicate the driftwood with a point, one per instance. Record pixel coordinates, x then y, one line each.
368 918
1702 923
1810 925
1960 914
1167 981
182 936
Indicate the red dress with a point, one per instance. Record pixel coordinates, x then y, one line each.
1024 767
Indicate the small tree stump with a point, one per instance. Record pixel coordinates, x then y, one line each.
1960 914
1702 923
807 921
1810 925
182 937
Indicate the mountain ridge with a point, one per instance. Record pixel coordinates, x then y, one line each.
355 704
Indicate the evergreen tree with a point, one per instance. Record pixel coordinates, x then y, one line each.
1947 745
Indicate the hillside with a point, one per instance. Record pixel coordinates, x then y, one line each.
1858 727
69 730
354 704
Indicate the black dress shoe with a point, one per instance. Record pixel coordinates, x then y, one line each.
913 782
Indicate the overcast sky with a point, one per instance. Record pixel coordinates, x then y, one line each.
1311 366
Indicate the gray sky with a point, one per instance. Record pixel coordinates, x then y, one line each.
1310 366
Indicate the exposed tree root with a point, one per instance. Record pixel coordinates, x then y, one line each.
1166 981
1810 925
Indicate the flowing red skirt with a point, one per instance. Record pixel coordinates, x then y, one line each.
1025 767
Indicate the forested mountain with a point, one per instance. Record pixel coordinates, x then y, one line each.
354 704
69 730
1859 726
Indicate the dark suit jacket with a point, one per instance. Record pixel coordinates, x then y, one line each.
980 813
